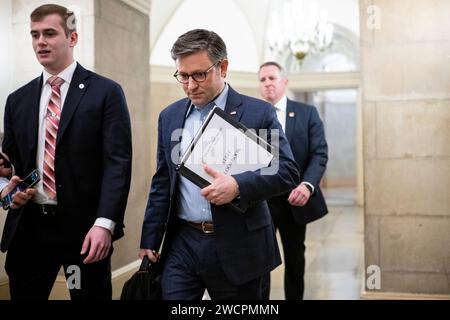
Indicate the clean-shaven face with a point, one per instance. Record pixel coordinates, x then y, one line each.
53 49
271 84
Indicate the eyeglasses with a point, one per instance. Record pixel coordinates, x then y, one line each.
198 76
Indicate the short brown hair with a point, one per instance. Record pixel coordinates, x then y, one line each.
198 40
68 20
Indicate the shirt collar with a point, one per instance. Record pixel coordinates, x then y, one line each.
220 100
66 74
282 104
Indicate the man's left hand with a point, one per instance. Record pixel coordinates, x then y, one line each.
222 190
20 198
98 242
299 196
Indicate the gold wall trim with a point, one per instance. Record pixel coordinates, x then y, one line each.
297 82
60 291
325 80
372 295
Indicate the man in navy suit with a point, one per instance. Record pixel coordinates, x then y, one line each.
78 209
293 210
207 243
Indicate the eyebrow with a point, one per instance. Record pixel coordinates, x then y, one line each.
45 30
197 71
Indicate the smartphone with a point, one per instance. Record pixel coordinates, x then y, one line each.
6 162
28 182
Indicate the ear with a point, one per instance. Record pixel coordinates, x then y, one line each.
73 37
224 68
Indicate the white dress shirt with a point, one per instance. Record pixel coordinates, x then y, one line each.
281 107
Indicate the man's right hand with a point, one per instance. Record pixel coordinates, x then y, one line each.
151 254
19 198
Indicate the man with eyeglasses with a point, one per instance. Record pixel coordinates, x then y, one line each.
207 244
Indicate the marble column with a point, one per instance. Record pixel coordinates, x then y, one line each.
406 121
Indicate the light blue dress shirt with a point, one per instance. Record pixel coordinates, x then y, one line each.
192 206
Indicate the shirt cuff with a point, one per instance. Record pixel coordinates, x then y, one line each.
309 184
105 223
3 183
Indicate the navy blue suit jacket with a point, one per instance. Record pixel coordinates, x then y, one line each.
93 153
306 136
245 242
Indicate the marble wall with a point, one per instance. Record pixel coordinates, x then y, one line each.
121 50
406 120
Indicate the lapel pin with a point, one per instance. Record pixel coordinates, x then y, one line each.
233 113
81 86
291 114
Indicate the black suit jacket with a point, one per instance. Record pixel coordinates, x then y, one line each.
305 132
92 158
246 243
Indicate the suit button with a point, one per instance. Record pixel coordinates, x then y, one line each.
59 185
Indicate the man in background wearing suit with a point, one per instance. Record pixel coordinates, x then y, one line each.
292 211
207 244
74 126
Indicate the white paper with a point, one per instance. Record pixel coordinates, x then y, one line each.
226 149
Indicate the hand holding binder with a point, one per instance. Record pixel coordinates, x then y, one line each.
228 148
222 190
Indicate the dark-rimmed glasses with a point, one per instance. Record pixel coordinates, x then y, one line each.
198 76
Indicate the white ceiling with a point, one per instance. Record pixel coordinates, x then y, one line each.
241 20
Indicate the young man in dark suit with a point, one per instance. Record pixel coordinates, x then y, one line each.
74 126
207 244
293 210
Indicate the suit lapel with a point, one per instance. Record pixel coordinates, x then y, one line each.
177 122
78 87
177 119
33 118
290 120
233 104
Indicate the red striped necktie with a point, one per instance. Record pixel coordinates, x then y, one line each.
52 124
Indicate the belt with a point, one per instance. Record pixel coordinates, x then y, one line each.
46 209
204 226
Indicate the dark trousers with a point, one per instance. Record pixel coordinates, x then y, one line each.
293 240
36 255
192 265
